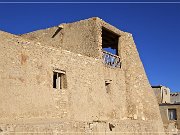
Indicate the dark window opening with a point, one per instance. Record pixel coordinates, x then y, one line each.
110 41
59 80
54 79
172 114
108 86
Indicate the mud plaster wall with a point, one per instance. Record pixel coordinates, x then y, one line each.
28 82
135 77
27 95
82 128
166 94
175 97
158 93
141 99
170 125
162 94
78 37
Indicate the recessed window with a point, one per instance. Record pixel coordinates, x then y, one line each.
59 80
108 85
172 114
110 41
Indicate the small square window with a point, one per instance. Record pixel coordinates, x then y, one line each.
172 114
108 85
59 80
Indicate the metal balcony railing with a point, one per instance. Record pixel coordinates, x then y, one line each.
111 59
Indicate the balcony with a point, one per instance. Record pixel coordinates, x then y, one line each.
111 60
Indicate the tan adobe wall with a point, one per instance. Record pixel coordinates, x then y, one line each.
165 95
175 97
162 94
29 103
158 94
141 99
170 125
79 37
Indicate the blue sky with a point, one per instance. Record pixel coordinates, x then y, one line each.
155 28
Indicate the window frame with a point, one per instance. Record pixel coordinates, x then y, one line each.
60 81
172 118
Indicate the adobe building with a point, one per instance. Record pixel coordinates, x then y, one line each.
169 105
175 97
162 94
62 80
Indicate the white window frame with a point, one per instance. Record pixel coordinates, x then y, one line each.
59 79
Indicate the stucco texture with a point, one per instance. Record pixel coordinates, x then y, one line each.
30 105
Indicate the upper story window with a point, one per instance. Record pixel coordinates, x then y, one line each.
110 41
110 48
172 114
